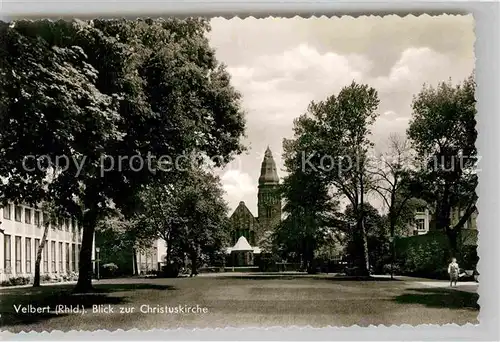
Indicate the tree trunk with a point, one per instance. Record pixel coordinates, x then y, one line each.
134 262
365 267
393 245
452 239
194 263
84 283
36 282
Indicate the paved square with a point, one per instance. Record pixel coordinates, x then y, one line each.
241 302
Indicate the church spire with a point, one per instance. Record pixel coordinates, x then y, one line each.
268 173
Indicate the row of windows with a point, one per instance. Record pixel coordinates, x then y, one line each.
34 216
69 258
249 235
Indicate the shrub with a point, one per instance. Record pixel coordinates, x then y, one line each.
386 269
169 271
15 281
109 270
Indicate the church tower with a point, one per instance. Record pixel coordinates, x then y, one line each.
268 200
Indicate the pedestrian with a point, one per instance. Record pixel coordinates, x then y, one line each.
453 271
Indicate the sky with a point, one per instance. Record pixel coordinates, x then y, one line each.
281 65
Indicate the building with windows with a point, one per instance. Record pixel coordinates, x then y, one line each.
249 232
421 222
424 221
21 231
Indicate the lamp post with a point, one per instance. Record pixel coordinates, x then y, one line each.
97 249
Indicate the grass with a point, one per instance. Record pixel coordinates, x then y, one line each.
242 301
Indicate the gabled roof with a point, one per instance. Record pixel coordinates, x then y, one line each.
242 209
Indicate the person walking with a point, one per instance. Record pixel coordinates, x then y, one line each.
453 271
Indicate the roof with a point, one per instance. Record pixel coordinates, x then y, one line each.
242 245
268 172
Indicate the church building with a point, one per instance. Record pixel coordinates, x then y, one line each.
249 232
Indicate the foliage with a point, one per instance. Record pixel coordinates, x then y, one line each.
426 256
329 153
97 91
190 215
15 281
443 133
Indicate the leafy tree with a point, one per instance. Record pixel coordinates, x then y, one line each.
443 133
391 179
309 213
190 215
100 94
333 142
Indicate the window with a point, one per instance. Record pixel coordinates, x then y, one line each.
27 216
421 210
28 255
17 213
37 244
6 212
73 257
66 224
46 257
7 254
154 258
53 256
60 257
67 258
18 254
420 223
37 218
268 212
77 255
59 223
46 219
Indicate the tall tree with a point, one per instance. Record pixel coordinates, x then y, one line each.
309 209
118 100
190 215
334 136
443 133
391 179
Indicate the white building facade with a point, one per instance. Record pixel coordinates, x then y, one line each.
21 232
421 223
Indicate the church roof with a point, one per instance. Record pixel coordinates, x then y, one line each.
268 172
242 245
242 209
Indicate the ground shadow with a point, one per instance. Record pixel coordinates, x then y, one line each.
54 296
439 298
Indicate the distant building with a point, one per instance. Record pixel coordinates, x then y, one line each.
420 224
248 233
424 220
21 231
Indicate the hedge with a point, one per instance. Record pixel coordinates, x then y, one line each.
428 255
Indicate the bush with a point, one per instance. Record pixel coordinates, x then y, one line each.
109 270
169 271
15 281
386 269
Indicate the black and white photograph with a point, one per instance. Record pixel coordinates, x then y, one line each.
210 172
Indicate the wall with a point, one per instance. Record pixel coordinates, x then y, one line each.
53 261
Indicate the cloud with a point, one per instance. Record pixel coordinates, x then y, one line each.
281 65
237 185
